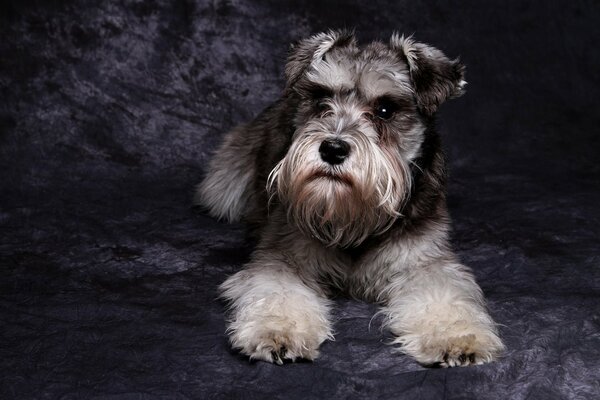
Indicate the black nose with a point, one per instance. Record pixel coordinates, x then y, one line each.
334 151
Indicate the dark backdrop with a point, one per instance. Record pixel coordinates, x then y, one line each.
109 111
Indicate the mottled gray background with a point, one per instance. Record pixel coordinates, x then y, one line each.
109 111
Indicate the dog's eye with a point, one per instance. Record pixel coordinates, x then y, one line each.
385 109
320 97
322 106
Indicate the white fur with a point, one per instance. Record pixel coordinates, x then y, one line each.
340 73
326 42
275 315
331 72
431 302
409 48
337 214
387 79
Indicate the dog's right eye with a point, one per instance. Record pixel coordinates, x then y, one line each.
320 97
322 106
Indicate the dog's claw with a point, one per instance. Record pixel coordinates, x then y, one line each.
279 355
282 352
454 361
276 357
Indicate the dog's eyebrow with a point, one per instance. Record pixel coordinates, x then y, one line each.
316 90
398 100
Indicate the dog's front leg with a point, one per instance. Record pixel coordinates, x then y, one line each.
438 313
275 315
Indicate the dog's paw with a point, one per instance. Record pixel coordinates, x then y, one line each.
276 346
454 351
276 339
281 327
466 350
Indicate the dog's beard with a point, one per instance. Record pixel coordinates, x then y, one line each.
344 204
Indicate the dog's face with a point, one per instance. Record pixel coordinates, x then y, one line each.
360 123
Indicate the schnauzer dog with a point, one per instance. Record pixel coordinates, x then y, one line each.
343 178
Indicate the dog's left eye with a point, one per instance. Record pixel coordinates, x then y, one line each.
385 109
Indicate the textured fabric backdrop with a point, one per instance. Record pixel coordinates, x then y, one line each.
109 111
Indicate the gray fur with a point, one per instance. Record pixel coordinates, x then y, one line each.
374 226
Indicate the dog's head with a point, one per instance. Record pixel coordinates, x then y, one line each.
359 124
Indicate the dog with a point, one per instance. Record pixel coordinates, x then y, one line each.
343 181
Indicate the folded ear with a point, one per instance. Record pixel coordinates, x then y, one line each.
313 49
435 77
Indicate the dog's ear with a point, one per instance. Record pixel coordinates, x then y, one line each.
434 76
307 51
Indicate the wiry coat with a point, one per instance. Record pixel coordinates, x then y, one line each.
370 220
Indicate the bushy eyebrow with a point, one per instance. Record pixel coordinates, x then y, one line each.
401 101
315 90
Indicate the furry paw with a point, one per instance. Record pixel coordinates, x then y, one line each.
274 316
276 339
455 351
286 325
278 345
466 350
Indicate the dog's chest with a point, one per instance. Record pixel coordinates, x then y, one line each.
369 269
